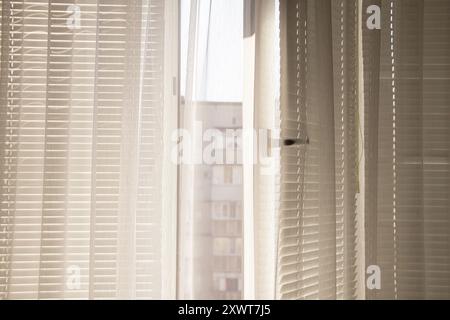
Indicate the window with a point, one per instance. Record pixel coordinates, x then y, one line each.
225 149
211 84
227 283
227 246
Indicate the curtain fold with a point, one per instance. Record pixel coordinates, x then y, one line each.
266 168
319 131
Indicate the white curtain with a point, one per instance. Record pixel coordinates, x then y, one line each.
261 185
351 170
317 242
84 109
365 180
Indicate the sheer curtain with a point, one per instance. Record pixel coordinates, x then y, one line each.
85 111
261 125
318 216
407 76
348 168
365 176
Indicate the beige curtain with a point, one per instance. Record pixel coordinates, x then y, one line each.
264 32
346 87
319 155
83 114
352 132
407 103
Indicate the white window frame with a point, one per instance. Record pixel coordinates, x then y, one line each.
170 169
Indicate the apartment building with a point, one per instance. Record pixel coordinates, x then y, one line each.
217 266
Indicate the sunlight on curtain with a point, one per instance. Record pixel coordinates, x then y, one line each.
82 119
319 102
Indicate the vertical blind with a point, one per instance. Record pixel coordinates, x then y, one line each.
82 99
319 181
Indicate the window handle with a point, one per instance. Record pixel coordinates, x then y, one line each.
295 142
